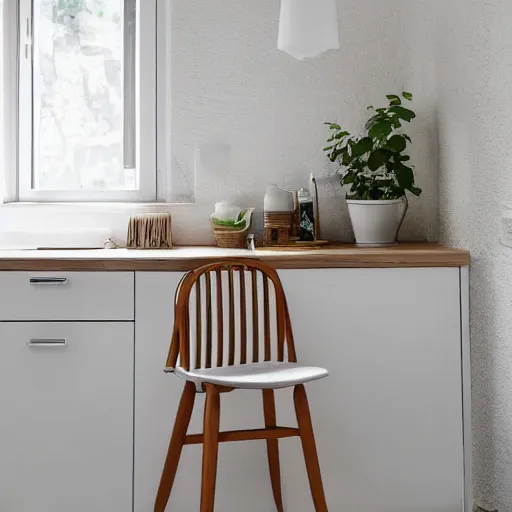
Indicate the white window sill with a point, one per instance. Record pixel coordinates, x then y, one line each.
95 206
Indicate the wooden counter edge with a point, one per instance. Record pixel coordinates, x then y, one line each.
406 257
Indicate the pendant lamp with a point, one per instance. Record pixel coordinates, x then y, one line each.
308 28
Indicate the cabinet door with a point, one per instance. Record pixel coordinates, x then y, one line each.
66 429
388 419
156 393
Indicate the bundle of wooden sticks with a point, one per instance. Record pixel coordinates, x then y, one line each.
150 231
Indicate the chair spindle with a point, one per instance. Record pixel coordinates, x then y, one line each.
243 318
255 320
208 284
220 320
266 319
231 355
199 333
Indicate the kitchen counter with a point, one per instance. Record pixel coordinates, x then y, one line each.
89 355
186 258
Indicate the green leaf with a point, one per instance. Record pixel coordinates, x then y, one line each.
394 99
341 135
377 159
380 130
384 183
404 176
328 148
406 137
241 216
358 164
403 113
371 122
239 223
334 155
346 159
348 178
362 147
333 126
397 143
407 95
402 158
416 191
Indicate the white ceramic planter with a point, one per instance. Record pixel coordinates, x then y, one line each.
376 223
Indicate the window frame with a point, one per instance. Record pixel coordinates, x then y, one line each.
9 98
145 115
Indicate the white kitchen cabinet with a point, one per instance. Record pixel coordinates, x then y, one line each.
389 419
66 428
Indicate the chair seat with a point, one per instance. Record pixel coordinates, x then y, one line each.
268 375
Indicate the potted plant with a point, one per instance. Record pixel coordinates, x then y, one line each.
377 170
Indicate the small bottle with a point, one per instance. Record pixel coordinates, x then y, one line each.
307 216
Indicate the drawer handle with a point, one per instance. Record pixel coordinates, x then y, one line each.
63 342
48 280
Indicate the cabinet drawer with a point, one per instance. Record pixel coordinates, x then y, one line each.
66 435
66 296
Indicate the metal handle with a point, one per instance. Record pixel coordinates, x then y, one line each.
58 342
28 39
48 280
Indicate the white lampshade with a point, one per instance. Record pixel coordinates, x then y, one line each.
308 28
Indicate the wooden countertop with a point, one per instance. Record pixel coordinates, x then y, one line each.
186 258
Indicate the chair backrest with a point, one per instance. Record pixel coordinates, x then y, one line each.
229 313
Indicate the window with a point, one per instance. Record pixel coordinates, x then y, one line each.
87 100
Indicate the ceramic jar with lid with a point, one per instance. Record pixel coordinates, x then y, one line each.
278 200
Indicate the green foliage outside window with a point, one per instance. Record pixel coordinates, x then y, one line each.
72 7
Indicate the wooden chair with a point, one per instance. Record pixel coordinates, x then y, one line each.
221 363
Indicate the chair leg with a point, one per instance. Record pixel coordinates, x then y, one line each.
175 446
210 448
309 447
269 411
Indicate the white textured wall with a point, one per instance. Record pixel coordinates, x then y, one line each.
473 50
238 115
245 115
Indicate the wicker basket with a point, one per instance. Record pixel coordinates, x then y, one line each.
229 238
